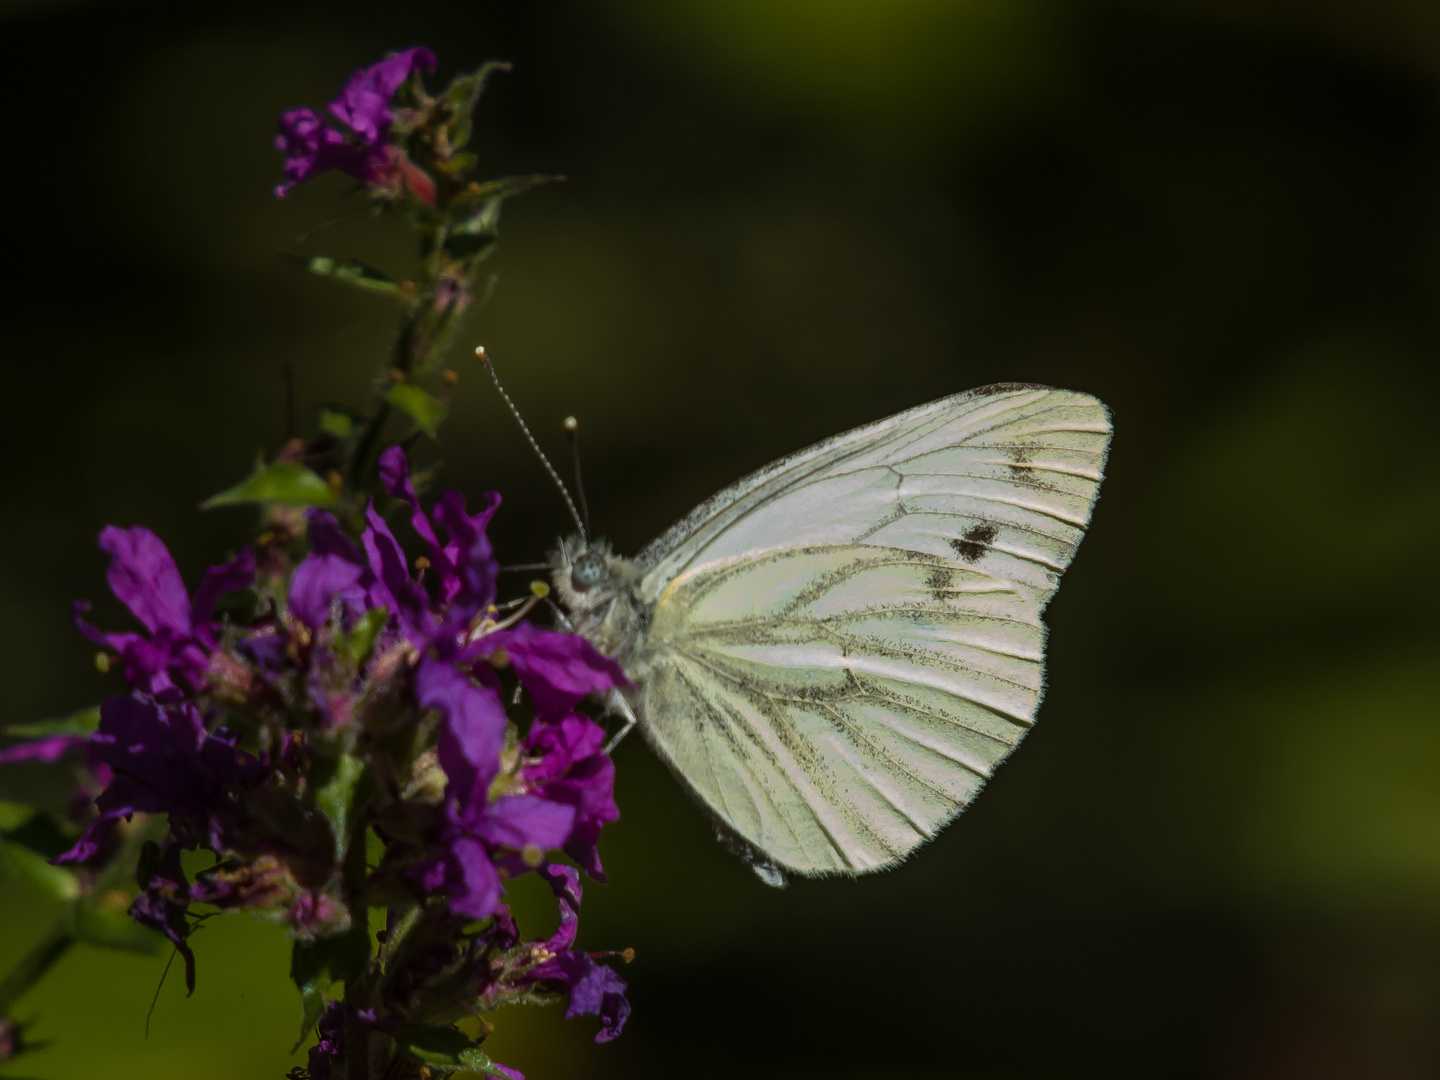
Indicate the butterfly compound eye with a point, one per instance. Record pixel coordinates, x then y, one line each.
587 571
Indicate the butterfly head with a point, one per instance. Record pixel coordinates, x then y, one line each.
586 575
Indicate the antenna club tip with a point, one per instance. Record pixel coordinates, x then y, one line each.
480 353
571 424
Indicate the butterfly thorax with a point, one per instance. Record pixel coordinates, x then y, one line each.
601 594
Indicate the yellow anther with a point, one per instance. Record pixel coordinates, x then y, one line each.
539 588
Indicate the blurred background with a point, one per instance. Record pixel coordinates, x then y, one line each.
1218 855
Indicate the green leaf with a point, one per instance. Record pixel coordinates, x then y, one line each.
462 163
445 1049
14 814
283 482
473 236
315 966
354 272
83 722
464 93
367 628
51 882
335 796
338 424
425 409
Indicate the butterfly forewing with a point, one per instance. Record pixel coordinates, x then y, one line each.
835 706
1003 477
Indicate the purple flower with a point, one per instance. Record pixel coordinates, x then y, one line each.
183 634
364 103
465 564
47 751
557 670
569 768
595 989
330 1041
363 107
477 826
311 148
319 583
165 762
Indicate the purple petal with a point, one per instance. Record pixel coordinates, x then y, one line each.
557 670
317 581
601 992
328 538
520 821
146 664
94 836
565 882
395 476
559 744
311 148
144 578
47 750
474 568
238 573
364 102
473 733
400 593
475 886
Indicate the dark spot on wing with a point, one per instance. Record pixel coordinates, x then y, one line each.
938 581
975 543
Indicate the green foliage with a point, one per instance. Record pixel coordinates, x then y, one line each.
282 482
23 864
339 796
445 1050
315 966
425 409
361 640
356 273
77 723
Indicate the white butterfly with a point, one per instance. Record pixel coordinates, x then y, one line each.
834 653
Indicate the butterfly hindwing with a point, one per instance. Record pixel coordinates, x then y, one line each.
834 706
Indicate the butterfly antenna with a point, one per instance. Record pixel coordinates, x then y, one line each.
484 358
572 432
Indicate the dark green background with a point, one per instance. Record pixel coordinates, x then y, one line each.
1218 854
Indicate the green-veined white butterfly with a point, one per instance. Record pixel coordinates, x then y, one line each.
834 653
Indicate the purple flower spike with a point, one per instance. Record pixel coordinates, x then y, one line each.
312 147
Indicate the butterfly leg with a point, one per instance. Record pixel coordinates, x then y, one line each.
615 703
